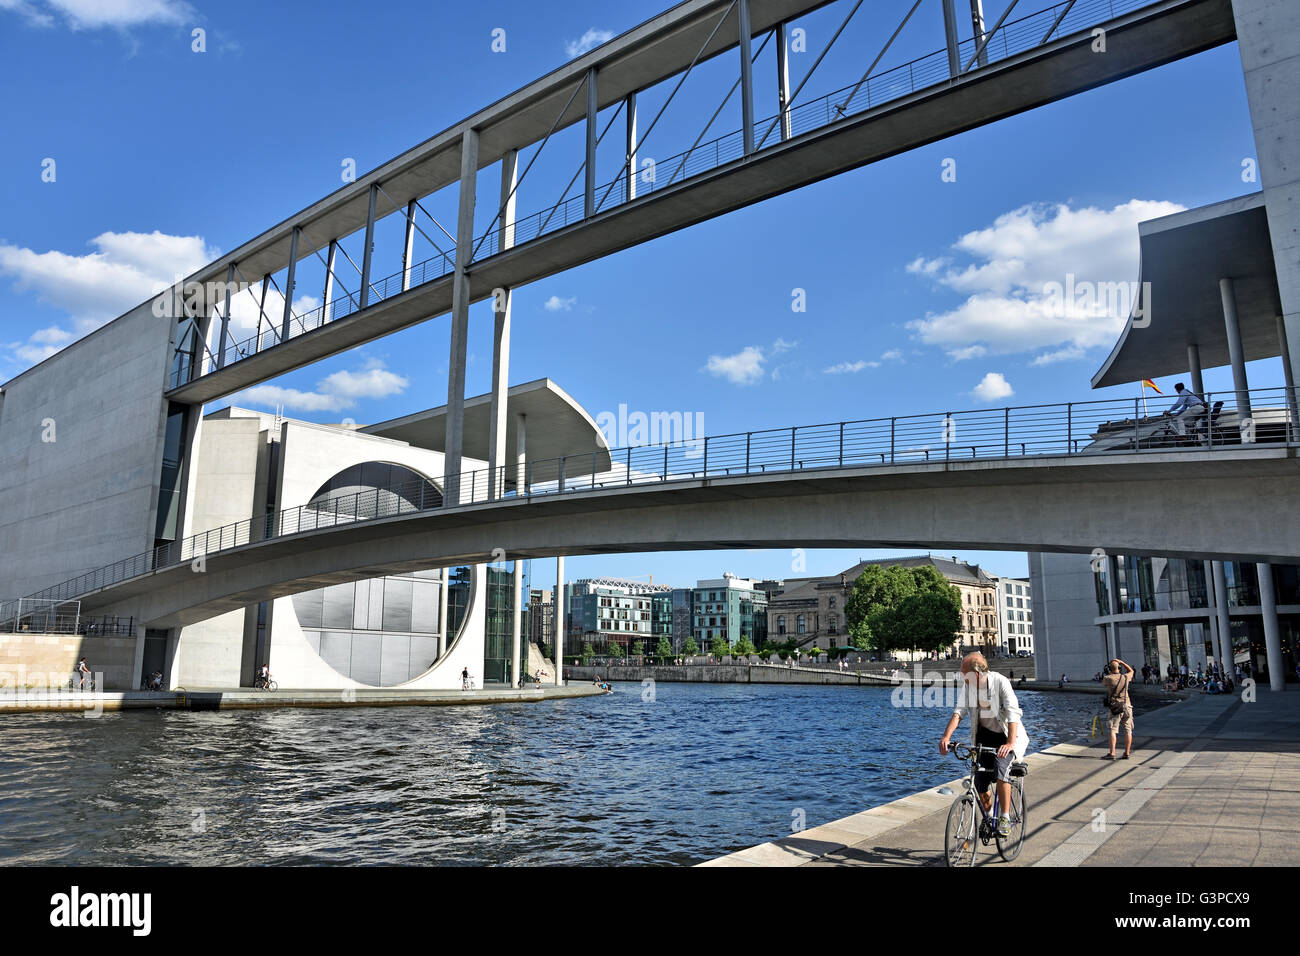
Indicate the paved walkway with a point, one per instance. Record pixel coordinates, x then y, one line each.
1213 781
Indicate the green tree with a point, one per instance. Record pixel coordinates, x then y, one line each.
690 648
614 649
638 648
744 646
876 591
719 647
587 653
664 648
930 618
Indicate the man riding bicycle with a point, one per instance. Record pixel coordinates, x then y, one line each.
996 722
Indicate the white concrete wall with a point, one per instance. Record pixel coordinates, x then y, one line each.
88 498
1065 605
311 455
223 492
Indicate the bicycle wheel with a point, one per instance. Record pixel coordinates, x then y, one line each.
959 834
1009 847
272 686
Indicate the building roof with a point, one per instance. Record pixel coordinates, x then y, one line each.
555 425
1183 258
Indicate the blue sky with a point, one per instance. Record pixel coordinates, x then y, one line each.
922 295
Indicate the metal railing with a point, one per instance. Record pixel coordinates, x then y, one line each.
1071 429
1061 19
1014 37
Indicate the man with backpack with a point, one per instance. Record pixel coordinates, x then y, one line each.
1118 677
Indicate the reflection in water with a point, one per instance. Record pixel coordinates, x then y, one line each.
700 771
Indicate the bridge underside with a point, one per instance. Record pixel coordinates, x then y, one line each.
1231 505
1136 42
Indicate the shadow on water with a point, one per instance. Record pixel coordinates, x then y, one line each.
701 770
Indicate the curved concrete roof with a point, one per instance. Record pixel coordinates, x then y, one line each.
1183 257
556 425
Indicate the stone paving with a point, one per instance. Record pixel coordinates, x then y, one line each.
1213 781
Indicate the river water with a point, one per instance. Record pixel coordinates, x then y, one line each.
698 771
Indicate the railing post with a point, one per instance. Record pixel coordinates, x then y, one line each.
1069 425
706 458
792 434
748 436
892 423
629 464
665 478
561 488
841 444
1006 432
1137 440
949 428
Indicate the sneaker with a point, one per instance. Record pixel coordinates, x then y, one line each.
1107 756
1123 757
1004 826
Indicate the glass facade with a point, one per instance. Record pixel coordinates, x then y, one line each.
173 466
498 668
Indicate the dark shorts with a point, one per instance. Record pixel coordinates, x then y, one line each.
991 765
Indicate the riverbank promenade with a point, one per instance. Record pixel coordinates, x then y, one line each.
1213 781
243 698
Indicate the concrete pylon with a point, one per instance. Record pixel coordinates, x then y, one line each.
559 626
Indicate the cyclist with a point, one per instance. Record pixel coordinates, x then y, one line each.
995 722
1187 409
83 671
464 679
264 676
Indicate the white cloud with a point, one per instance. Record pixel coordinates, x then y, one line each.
848 367
781 345
335 392
1013 264
588 41
98 14
557 304
1067 354
992 387
743 368
125 270
893 355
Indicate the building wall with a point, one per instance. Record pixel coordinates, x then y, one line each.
33 661
87 498
1065 607
210 654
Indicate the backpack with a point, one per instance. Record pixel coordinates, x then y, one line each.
1115 702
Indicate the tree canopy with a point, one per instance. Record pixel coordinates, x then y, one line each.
894 608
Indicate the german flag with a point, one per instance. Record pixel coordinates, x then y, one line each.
1147 382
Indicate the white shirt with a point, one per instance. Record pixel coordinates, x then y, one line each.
996 706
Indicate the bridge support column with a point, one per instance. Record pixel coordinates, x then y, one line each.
1194 369
746 75
516 626
1216 639
521 452
408 248
368 253
225 318
950 35
630 108
501 338
1236 356
1221 614
328 297
560 626
1272 639
442 612
977 28
453 457
1112 594
783 80
289 280
589 182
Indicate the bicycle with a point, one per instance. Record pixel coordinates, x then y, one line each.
261 683
963 829
75 678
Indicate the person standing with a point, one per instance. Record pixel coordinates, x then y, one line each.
1118 677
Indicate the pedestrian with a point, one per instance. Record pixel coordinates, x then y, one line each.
1116 681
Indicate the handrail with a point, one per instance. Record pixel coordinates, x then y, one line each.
1111 426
